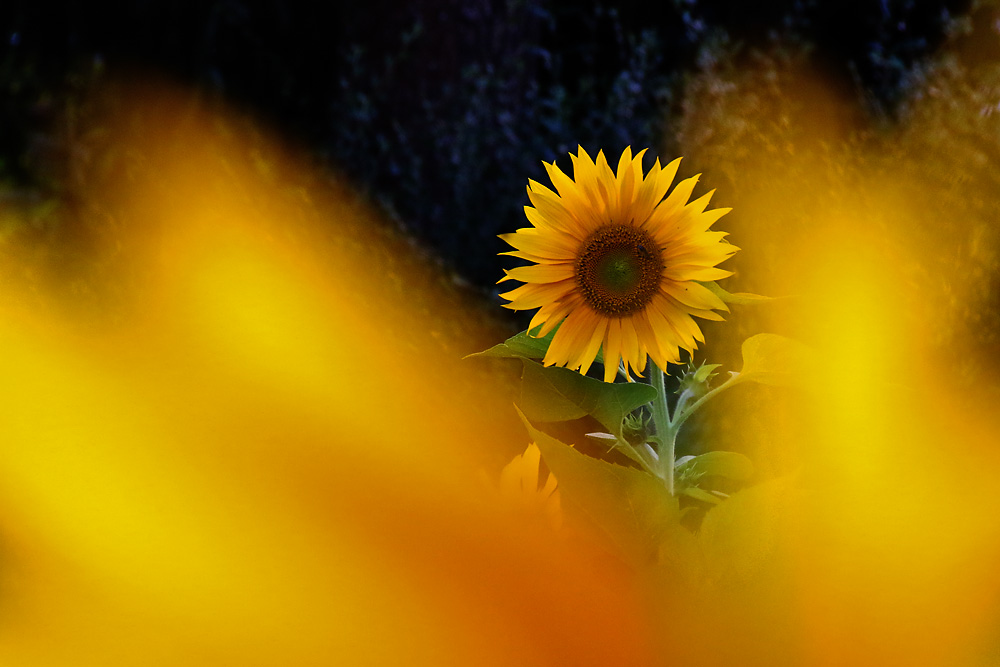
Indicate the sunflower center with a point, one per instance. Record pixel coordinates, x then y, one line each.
618 270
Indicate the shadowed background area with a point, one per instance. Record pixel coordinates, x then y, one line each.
440 110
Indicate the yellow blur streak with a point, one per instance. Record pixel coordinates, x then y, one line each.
889 540
262 459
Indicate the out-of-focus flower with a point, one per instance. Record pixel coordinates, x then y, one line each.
617 264
519 486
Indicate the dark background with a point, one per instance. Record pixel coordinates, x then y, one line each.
438 110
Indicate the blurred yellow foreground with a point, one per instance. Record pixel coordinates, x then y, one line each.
258 456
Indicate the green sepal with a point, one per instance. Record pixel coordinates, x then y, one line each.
632 508
704 372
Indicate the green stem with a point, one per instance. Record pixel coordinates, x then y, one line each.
666 432
681 402
681 415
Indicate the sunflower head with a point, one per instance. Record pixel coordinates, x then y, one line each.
618 263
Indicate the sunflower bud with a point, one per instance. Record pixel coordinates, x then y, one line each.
695 379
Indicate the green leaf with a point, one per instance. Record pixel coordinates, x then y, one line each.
543 394
524 346
632 508
700 494
559 394
731 465
740 298
611 442
774 360
519 346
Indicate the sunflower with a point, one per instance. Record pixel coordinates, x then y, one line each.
618 263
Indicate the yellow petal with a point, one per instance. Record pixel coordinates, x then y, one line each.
574 200
630 344
540 273
709 218
645 198
701 274
566 340
648 339
531 296
586 358
694 295
612 349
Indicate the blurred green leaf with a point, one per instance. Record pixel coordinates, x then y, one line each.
739 298
774 360
632 508
742 536
731 465
700 494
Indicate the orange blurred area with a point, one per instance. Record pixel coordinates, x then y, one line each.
264 449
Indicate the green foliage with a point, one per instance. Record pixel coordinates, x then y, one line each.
519 346
550 394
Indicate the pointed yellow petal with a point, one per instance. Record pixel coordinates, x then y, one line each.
527 297
630 343
573 199
699 273
540 273
586 358
612 349
565 342
694 295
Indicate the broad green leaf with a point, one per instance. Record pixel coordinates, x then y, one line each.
731 465
774 360
559 394
740 298
632 508
524 346
543 394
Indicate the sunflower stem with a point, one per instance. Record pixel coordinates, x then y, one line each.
666 431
